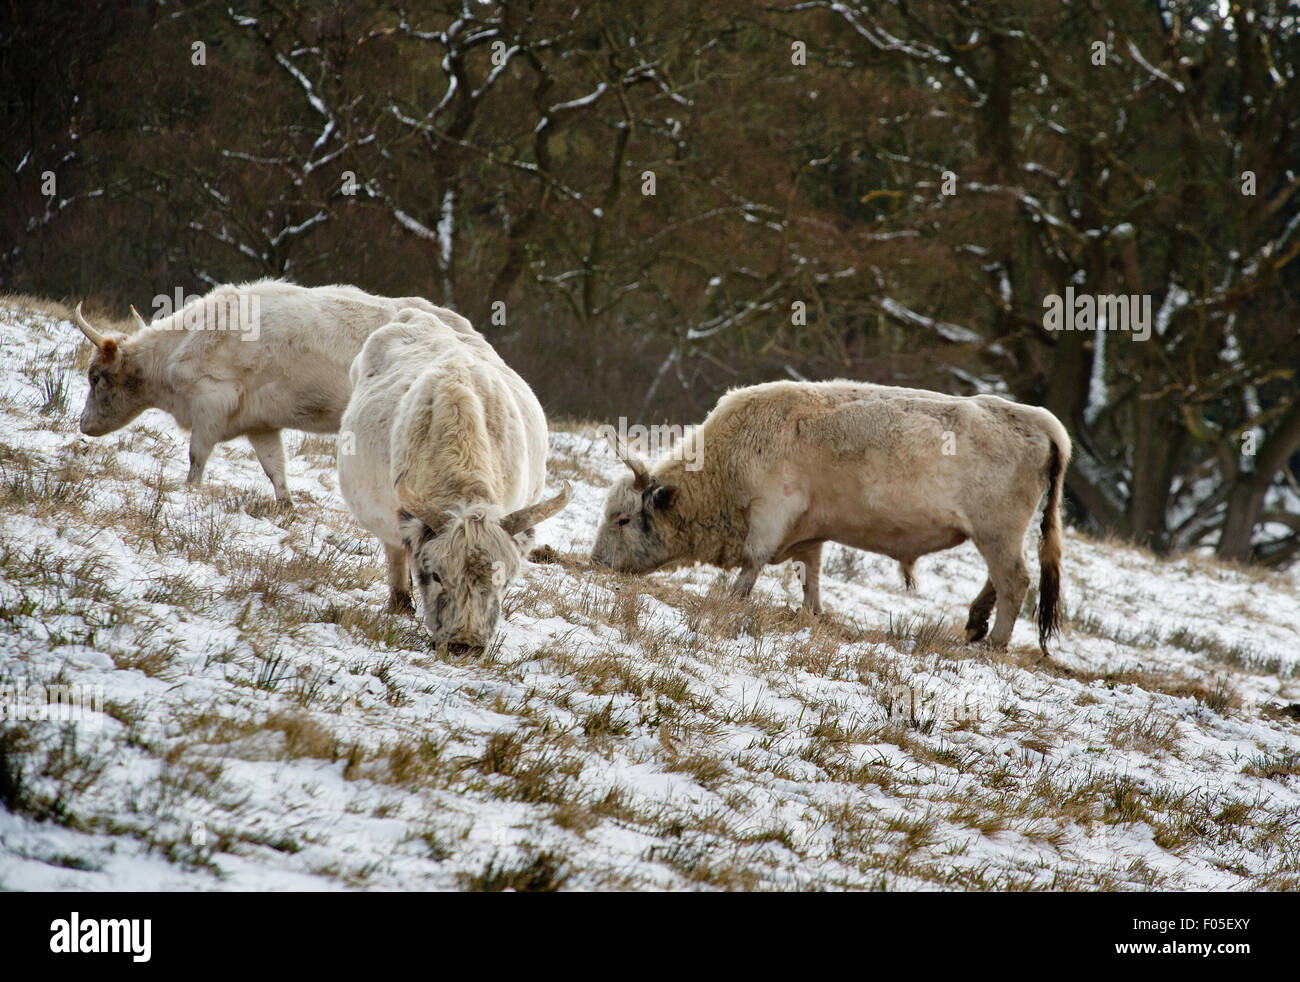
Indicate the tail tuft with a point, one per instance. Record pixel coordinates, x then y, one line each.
1049 550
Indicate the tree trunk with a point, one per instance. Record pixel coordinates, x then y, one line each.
1245 502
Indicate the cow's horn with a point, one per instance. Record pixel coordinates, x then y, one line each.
96 338
140 321
639 469
526 518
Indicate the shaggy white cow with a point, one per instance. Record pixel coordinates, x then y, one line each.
787 466
247 360
443 457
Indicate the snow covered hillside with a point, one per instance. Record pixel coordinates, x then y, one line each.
266 725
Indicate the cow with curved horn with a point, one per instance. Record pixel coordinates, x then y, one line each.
246 360
789 466
445 462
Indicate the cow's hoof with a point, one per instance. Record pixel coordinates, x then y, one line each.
400 603
1046 661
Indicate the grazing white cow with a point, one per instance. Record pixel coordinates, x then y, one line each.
247 360
443 457
787 466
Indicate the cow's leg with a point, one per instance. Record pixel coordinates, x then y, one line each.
399 580
270 454
977 625
810 556
202 440
1010 577
766 531
748 577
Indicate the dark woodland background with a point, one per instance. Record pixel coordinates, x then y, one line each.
498 154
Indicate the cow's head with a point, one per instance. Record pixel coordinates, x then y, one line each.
117 385
633 538
463 561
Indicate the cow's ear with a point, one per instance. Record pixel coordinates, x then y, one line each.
411 529
665 497
109 350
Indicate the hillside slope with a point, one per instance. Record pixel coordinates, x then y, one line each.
266 725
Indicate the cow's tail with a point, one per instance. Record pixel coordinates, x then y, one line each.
1049 546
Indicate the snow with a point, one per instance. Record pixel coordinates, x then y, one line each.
1175 299
583 101
1098 396
949 332
668 743
446 227
415 225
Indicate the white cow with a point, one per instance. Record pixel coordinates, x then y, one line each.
247 360
442 455
788 466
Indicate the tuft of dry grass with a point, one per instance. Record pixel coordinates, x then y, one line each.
1277 766
536 872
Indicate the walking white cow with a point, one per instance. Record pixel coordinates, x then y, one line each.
247 360
442 455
